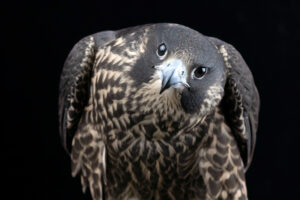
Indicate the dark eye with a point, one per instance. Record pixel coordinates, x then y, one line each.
199 72
162 50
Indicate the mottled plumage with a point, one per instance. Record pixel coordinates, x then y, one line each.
158 111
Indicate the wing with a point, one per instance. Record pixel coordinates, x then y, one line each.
241 100
220 163
78 134
75 81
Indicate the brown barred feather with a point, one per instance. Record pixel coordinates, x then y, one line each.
127 140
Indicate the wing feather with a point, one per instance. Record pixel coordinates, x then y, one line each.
75 81
78 135
241 99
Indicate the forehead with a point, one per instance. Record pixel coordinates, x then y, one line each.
176 32
180 38
171 33
184 40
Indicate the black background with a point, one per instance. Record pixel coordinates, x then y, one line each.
39 35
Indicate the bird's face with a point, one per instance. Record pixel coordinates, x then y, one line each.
183 65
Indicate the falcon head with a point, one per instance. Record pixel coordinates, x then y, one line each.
179 69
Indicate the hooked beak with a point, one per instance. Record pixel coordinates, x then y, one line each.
173 74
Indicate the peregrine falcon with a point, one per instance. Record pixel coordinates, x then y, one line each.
158 111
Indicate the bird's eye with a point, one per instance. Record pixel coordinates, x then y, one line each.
162 50
199 72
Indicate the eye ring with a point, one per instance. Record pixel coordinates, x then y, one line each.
199 72
162 51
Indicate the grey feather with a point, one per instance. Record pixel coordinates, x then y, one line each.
240 78
74 84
